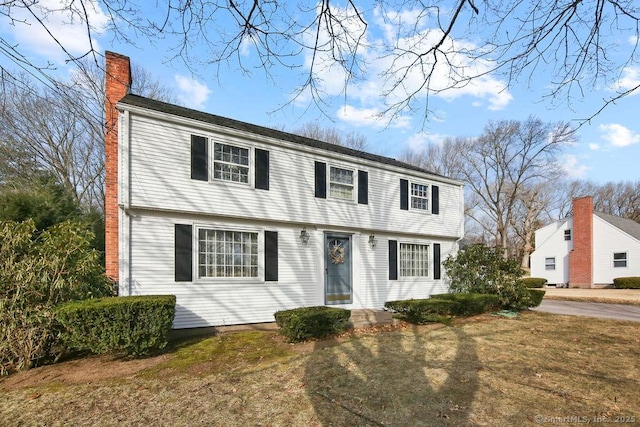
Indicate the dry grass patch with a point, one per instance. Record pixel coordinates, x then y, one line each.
491 371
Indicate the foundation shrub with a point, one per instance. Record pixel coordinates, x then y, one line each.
304 323
626 283
533 282
471 304
420 311
134 326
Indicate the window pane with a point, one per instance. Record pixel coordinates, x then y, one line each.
225 253
419 196
231 163
341 183
414 260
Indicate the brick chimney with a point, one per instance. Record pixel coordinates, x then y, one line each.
581 257
117 85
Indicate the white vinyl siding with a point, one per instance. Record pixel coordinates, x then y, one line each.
160 179
340 183
230 163
419 196
414 260
226 253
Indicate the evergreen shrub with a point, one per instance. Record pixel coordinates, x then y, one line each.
303 323
134 326
626 283
534 282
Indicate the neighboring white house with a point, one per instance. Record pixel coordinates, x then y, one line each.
240 221
587 249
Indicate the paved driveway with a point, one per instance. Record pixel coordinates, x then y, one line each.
591 309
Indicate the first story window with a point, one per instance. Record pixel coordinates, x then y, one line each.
225 253
550 263
341 183
230 163
414 260
419 196
619 259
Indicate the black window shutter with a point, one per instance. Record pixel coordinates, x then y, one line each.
404 194
321 180
363 187
435 202
436 260
270 256
199 158
184 253
262 169
393 260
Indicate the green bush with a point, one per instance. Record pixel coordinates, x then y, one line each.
136 325
39 270
536 296
480 269
471 304
303 323
420 311
626 283
533 282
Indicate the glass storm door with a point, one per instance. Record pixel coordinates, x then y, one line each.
338 288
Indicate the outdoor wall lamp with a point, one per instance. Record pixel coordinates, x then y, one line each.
304 236
372 241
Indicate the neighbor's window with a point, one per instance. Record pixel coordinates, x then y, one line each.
341 183
419 196
619 259
567 234
224 253
231 163
414 260
549 263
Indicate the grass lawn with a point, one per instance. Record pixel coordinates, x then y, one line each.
536 369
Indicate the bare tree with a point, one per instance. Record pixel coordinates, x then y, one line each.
333 135
61 131
614 198
428 48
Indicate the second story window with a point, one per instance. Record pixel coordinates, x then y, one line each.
419 196
567 234
231 163
341 183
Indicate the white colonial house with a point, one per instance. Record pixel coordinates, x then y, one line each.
588 249
240 221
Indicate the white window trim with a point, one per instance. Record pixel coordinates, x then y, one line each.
227 227
548 265
626 259
428 198
354 174
429 244
213 140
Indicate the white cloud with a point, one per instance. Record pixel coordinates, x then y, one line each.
418 141
370 117
378 87
66 20
594 147
192 93
618 135
630 79
572 167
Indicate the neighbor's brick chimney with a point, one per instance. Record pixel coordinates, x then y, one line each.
117 85
581 257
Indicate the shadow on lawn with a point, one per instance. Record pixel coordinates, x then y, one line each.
395 378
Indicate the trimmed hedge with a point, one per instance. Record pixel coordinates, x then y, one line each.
303 323
471 304
534 282
422 310
626 283
135 326
536 297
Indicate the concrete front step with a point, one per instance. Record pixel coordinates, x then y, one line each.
366 318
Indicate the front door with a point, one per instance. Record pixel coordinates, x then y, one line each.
338 287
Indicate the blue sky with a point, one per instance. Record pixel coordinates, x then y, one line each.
608 147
